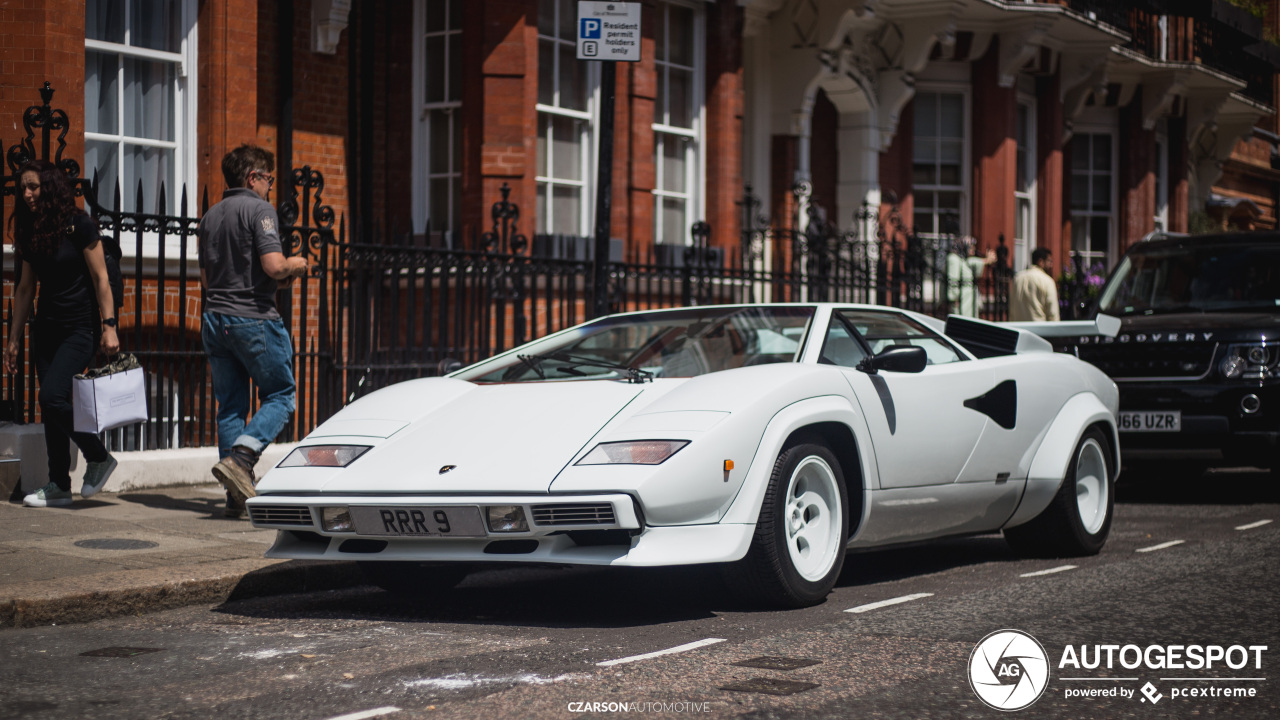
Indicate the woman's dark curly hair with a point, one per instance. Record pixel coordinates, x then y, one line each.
40 231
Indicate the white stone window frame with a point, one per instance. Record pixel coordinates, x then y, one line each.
422 176
1025 197
695 173
965 91
1111 129
588 141
184 145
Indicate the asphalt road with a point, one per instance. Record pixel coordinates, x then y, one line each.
1189 562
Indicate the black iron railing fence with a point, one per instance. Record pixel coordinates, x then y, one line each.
380 309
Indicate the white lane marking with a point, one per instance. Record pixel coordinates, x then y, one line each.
1253 525
460 681
366 714
1050 571
887 603
658 653
1161 546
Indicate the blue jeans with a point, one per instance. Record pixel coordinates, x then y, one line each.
241 349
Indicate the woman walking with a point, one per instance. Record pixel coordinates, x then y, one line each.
58 246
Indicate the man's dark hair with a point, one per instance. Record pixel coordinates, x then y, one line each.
1040 254
237 164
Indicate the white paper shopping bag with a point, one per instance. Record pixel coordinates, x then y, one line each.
109 401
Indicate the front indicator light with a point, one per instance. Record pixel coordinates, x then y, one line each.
336 519
506 518
634 452
323 455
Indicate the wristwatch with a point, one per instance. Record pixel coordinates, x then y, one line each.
109 322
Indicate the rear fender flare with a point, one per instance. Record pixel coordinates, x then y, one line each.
1049 466
745 507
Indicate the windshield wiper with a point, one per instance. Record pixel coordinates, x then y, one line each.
534 363
634 374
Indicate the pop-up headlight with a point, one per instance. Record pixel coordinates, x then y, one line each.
323 455
632 452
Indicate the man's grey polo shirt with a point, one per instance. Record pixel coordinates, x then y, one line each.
234 235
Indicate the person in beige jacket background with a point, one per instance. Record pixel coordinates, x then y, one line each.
1034 295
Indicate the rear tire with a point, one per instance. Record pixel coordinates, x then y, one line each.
413 579
799 544
1078 520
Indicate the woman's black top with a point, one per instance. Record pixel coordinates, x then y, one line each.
66 291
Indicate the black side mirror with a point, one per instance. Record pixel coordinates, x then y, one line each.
896 358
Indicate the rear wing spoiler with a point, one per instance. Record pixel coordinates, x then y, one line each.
990 339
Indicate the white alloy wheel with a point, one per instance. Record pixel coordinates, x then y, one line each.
812 520
1092 487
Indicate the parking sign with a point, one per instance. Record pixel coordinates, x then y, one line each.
609 31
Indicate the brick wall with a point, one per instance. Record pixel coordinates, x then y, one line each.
228 85
723 131
995 152
41 40
499 129
1137 175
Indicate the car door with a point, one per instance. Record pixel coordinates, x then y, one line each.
923 433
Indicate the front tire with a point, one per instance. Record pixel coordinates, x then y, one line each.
1078 520
799 544
413 579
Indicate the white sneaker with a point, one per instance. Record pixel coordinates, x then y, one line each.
48 496
95 476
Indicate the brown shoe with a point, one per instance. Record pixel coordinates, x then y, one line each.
235 477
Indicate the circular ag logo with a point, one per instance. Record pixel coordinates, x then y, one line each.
1008 670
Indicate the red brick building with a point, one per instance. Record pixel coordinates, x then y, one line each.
1071 125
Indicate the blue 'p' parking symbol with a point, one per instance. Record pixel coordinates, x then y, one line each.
590 29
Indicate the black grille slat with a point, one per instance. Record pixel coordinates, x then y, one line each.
1151 360
574 514
281 515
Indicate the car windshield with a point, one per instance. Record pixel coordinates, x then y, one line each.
676 343
1187 277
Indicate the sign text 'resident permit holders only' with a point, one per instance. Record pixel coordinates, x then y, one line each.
609 31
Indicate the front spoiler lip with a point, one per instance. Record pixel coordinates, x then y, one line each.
624 510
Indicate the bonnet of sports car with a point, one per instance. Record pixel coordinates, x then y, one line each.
489 438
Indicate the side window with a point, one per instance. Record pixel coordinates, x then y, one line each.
840 347
884 329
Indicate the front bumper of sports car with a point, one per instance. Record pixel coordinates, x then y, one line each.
603 529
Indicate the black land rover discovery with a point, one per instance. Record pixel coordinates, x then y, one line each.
1197 359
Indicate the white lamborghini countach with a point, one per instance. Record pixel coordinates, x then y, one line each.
769 440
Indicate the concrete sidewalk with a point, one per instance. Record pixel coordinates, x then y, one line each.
137 551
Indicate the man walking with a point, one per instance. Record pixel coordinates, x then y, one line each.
1033 295
241 262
